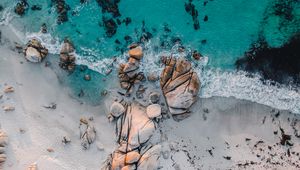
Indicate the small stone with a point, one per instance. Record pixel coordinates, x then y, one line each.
66 140
83 120
153 111
154 97
100 146
117 109
50 149
22 131
9 89
104 93
196 55
87 77
136 53
205 110
152 76
8 108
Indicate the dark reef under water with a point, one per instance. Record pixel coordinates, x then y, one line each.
281 64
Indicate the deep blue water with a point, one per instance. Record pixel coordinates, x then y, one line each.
229 29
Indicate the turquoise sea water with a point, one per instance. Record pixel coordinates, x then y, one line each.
231 27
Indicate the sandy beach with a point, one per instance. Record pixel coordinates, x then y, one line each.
221 133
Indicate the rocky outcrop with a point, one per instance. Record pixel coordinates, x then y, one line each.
134 130
67 57
3 143
34 51
129 72
180 85
87 133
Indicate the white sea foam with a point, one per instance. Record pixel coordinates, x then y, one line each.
6 16
53 44
215 82
237 84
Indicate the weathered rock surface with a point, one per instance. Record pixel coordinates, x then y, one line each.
149 158
8 108
129 72
67 57
117 109
8 89
133 130
132 157
34 51
154 111
180 85
135 127
87 133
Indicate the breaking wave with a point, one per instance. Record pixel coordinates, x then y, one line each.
214 82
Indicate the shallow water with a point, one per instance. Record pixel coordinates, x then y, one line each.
229 31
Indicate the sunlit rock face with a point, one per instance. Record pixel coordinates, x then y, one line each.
34 51
180 85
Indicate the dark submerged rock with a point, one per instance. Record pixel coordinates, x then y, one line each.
21 7
36 8
62 9
110 26
280 64
191 9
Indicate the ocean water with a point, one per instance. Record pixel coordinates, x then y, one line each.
231 27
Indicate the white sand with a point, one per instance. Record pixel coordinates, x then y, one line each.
229 120
37 86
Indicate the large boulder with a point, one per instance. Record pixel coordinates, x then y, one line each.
34 51
117 109
134 128
153 111
67 56
180 85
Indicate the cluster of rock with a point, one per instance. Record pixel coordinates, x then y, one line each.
3 143
129 73
87 133
135 126
21 7
34 51
180 85
7 90
62 10
67 57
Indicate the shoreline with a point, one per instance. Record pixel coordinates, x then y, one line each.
32 129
